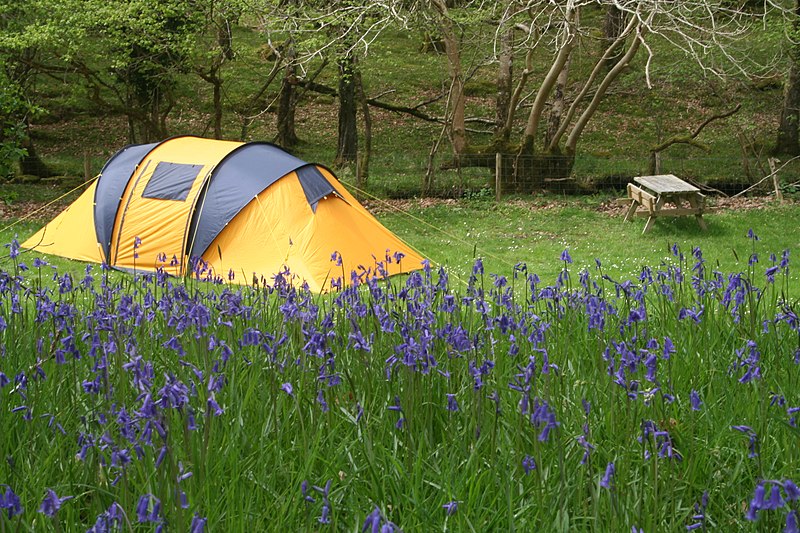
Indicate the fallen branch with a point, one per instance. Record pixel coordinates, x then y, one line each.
765 178
413 111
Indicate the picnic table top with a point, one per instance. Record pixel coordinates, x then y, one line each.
666 184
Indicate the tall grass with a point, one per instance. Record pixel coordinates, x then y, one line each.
662 402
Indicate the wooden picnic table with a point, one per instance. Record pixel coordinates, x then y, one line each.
652 193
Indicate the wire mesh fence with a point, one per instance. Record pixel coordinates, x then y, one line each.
401 173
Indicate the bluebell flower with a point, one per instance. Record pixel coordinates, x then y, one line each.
304 491
396 405
791 490
198 524
669 348
694 398
791 523
452 404
10 502
377 523
325 517
775 500
587 447
477 268
288 389
565 257
213 406
52 503
528 464
699 516
109 520
450 508
608 476
321 401
770 273
148 509
751 235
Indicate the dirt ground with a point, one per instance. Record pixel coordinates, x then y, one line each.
614 207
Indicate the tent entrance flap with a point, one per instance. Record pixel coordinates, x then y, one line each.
315 186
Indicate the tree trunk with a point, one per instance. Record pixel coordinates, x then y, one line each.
548 82
287 103
31 164
458 128
362 171
788 139
559 104
613 26
505 78
217 82
347 149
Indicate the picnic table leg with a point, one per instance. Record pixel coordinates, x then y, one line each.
697 205
653 214
631 210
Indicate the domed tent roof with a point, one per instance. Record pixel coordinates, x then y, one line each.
247 210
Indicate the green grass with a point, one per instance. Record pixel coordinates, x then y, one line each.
536 232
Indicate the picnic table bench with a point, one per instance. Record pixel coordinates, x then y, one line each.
652 193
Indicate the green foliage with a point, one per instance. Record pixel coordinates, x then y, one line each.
13 108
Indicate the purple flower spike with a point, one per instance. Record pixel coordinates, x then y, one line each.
288 389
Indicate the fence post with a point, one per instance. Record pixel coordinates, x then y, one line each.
498 176
776 183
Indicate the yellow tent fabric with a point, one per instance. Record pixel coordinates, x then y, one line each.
70 234
153 201
160 226
305 242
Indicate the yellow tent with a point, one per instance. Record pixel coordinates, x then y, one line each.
225 210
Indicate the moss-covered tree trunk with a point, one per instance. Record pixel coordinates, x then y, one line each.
287 103
788 138
347 145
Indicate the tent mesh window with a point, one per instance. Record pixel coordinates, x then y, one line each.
171 181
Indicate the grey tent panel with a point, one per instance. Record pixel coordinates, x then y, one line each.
314 185
236 180
111 186
171 181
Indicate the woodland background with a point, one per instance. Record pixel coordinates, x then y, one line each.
407 98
